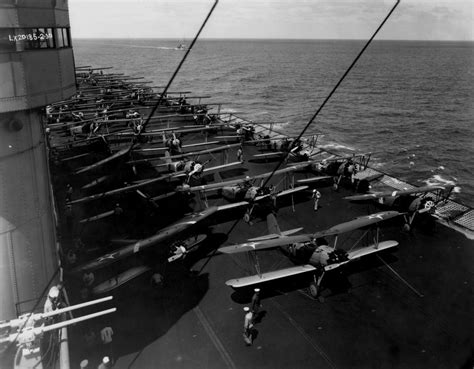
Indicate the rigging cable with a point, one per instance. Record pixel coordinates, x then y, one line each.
293 143
176 71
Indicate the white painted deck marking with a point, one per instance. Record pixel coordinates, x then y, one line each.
215 340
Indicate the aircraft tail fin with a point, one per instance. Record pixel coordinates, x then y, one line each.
274 230
167 157
272 225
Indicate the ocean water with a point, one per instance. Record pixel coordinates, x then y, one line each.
410 103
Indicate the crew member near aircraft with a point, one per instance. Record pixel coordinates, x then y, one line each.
240 154
118 214
106 334
69 219
69 191
316 196
248 325
256 305
52 301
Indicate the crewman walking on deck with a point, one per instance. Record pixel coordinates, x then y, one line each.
69 219
316 196
240 154
69 191
106 334
118 213
248 325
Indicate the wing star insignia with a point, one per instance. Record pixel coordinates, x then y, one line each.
105 257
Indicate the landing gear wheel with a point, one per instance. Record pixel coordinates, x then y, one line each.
406 227
247 218
313 290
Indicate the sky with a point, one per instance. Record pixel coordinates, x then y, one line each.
284 19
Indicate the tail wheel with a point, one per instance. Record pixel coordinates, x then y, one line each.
406 227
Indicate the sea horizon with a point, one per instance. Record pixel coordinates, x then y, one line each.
265 39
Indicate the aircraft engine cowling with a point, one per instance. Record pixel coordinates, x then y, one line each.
423 205
325 255
229 193
173 167
427 205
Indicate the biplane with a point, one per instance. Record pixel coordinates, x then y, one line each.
311 252
194 167
132 148
418 200
178 231
290 147
342 168
186 169
243 189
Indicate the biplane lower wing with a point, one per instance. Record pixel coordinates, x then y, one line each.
265 244
269 276
377 195
364 251
291 190
312 180
119 280
269 155
97 217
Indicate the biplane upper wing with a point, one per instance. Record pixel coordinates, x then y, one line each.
265 244
163 235
197 153
377 195
346 157
153 149
269 276
359 222
174 130
98 164
121 190
283 193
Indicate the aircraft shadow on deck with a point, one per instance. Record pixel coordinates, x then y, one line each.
146 312
207 250
156 311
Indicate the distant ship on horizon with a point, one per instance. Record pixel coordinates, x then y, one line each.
181 46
